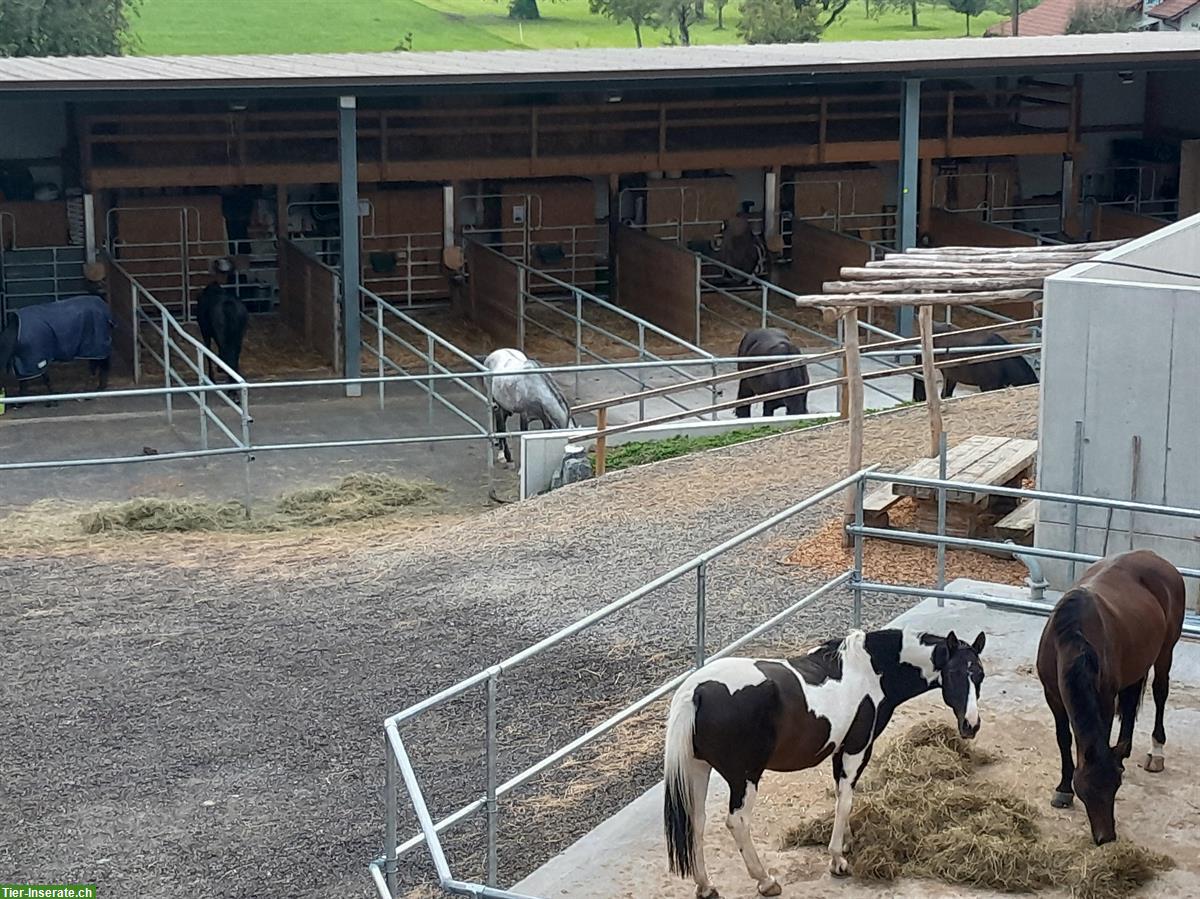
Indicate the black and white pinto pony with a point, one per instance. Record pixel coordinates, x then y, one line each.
519 388
746 716
34 337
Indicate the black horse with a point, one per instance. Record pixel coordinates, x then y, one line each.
770 342
1011 372
77 327
222 318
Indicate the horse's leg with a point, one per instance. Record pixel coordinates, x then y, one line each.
846 771
49 389
744 393
1156 761
698 778
1128 701
500 423
741 806
1064 795
948 385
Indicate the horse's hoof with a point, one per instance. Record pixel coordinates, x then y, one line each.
839 867
1063 800
771 889
711 894
1154 764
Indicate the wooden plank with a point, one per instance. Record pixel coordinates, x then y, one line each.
1018 524
957 459
1007 463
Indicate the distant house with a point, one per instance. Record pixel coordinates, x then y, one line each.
1172 15
1052 17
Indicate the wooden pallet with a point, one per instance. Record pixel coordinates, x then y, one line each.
1018 524
876 503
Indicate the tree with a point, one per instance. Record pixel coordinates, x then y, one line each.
882 6
720 5
968 8
678 16
66 27
780 22
638 13
1102 17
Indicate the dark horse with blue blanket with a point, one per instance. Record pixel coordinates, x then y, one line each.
74 328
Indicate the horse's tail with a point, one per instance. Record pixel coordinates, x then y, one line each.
679 783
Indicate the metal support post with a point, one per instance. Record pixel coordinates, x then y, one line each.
578 337
247 456
941 514
492 809
906 203
860 488
379 349
350 224
166 355
389 802
202 400
701 613
1076 487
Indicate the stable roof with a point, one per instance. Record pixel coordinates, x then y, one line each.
521 70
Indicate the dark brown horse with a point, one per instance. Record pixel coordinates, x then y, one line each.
995 375
1124 615
770 342
747 716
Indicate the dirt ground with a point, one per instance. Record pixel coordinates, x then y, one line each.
204 714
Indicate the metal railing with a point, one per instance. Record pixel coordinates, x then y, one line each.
399 766
35 274
570 305
767 290
1103 187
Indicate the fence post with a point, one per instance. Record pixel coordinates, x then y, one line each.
203 399
764 306
489 451
430 349
246 456
379 348
522 284
641 371
389 802
492 808
856 581
166 354
701 613
941 513
601 441
578 337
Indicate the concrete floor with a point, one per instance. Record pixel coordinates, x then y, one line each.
624 858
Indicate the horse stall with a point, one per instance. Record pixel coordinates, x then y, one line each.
402 243
1111 222
689 211
1119 414
549 224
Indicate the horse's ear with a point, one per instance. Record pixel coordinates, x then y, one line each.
941 655
978 644
952 643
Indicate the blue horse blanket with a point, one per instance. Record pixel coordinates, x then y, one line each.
74 328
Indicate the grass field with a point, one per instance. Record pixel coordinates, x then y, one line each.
171 27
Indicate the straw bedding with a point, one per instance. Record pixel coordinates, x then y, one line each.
921 812
357 497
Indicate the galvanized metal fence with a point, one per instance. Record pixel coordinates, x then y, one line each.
399 765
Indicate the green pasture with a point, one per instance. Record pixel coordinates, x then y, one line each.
175 27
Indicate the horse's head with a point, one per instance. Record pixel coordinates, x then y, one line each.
1098 774
961 675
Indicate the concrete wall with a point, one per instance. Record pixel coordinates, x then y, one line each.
1120 356
541 453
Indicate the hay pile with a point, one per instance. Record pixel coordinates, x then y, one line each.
357 497
919 813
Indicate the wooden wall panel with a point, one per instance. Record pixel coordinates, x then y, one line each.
818 255
947 229
308 302
691 199
37 224
658 281
122 302
494 284
1111 223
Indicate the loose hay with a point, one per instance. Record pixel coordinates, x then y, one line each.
920 813
357 497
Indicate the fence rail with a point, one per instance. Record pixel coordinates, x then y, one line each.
399 766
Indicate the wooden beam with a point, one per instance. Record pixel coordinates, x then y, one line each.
933 399
915 299
1096 246
911 285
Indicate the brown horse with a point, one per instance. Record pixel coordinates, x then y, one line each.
746 716
1122 616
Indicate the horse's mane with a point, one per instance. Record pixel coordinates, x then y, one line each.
1081 673
553 387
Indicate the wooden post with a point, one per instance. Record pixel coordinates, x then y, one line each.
854 388
925 196
932 397
601 441
614 226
